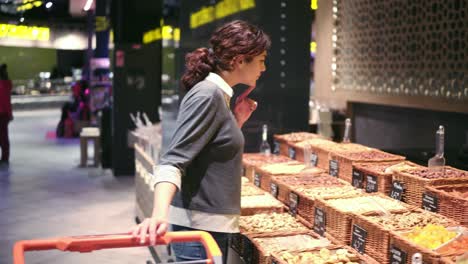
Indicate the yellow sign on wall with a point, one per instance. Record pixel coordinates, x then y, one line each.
222 9
24 32
167 33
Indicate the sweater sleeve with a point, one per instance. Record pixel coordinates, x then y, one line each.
196 126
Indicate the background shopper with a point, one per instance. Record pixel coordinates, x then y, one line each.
6 114
198 181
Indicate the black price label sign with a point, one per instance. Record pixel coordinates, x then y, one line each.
274 190
276 147
397 191
293 202
430 202
257 179
313 159
357 179
358 239
397 256
292 153
371 184
320 221
334 168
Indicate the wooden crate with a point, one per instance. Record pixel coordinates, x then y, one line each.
341 162
415 182
380 174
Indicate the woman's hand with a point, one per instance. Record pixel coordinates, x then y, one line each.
243 108
153 226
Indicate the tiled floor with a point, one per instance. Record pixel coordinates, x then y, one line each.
45 194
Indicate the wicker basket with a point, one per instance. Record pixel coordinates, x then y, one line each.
403 244
338 222
263 175
252 160
345 160
378 236
262 256
286 184
450 205
306 204
264 209
359 258
382 171
287 140
414 185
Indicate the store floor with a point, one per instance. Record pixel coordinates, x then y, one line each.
44 194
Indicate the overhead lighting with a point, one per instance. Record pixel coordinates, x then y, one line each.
22 19
88 5
49 5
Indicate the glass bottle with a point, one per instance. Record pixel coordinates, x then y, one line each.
265 147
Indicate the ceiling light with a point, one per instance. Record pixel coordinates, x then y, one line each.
22 19
49 5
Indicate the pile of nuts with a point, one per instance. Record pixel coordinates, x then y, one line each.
287 243
324 256
371 155
263 223
264 200
248 189
283 168
258 159
313 180
428 173
386 167
296 136
408 220
364 204
327 192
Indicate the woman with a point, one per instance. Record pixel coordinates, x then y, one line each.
6 114
201 171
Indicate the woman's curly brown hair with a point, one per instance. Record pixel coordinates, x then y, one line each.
228 41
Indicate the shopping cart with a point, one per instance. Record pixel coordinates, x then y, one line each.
90 243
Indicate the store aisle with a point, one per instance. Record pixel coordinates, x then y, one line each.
45 194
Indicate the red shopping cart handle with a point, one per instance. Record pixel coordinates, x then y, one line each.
91 243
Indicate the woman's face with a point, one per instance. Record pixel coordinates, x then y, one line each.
251 71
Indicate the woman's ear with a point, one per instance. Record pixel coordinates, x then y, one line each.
237 61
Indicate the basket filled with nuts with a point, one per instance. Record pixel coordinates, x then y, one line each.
309 194
377 176
329 255
378 227
425 240
284 141
270 223
264 245
257 204
341 162
415 180
452 201
249 189
338 213
263 174
251 160
285 184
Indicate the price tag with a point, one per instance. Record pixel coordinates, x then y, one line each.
292 153
397 191
397 256
320 221
334 168
276 147
293 202
430 202
358 239
274 190
313 159
371 185
358 178
257 179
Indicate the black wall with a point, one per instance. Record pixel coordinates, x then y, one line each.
283 90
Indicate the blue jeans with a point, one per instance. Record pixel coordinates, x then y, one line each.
196 251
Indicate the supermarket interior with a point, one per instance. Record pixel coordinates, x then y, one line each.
353 147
